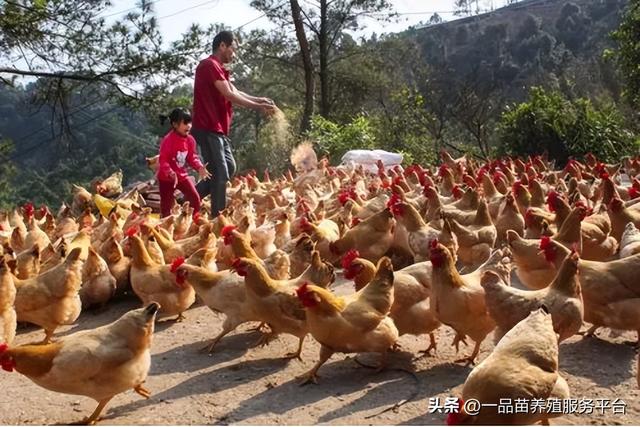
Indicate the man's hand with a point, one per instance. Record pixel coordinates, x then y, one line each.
203 173
268 107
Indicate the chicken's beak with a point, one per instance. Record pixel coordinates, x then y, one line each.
152 309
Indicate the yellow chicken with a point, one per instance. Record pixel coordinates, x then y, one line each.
99 363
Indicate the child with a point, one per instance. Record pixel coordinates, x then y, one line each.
176 150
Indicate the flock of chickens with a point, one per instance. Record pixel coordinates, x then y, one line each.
425 249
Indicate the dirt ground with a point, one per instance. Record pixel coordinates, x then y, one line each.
244 385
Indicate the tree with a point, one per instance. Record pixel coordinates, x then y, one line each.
627 54
7 173
550 122
70 44
326 21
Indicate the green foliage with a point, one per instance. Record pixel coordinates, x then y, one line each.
628 52
550 122
7 172
333 139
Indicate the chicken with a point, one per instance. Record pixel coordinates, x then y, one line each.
456 302
277 264
98 284
35 236
8 321
620 217
173 250
51 299
119 265
610 290
419 234
110 186
410 311
300 256
563 297
630 242
523 365
153 282
531 268
509 218
99 363
82 240
475 241
323 234
28 263
224 292
372 237
273 302
354 324
82 200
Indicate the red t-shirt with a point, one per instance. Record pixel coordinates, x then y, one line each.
211 110
176 151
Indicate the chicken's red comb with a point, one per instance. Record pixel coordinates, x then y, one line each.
349 258
545 243
434 243
516 187
28 208
443 169
453 418
355 221
633 193
604 175
457 192
636 184
344 197
394 200
304 223
302 290
133 215
131 231
3 347
227 229
176 263
196 216
552 198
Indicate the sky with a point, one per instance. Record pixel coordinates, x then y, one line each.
175 17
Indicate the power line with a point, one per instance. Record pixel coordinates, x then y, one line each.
121 12
186 9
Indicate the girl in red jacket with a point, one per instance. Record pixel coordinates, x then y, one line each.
178 149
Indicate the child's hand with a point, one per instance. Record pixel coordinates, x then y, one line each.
203 173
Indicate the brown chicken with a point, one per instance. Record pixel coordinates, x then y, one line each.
119 265
411 312
372 237
458 303
99 363
563 297
27 263
353 324
224 292
154 282
273 302
277 264
110 186
523 365
630 242
51 299
8 321
533 270
620 217
476 240
509 218
98 284
173 250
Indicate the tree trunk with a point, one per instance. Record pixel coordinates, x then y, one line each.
324 53
309 77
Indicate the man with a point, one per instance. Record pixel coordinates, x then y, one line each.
213 98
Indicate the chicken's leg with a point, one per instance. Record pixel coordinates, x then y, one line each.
432 346
142 391
456 341
180 318
383 361
312 375
95 417
226 328
470 360
296 355
47 336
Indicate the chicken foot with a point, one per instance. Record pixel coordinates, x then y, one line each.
95 417
312 375
296 355
226 328
47 336
180 318
471 359
142 391
433 345
265 339
457 340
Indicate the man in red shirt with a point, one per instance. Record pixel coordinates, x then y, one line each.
213 98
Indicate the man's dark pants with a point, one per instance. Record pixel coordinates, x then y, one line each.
216 152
